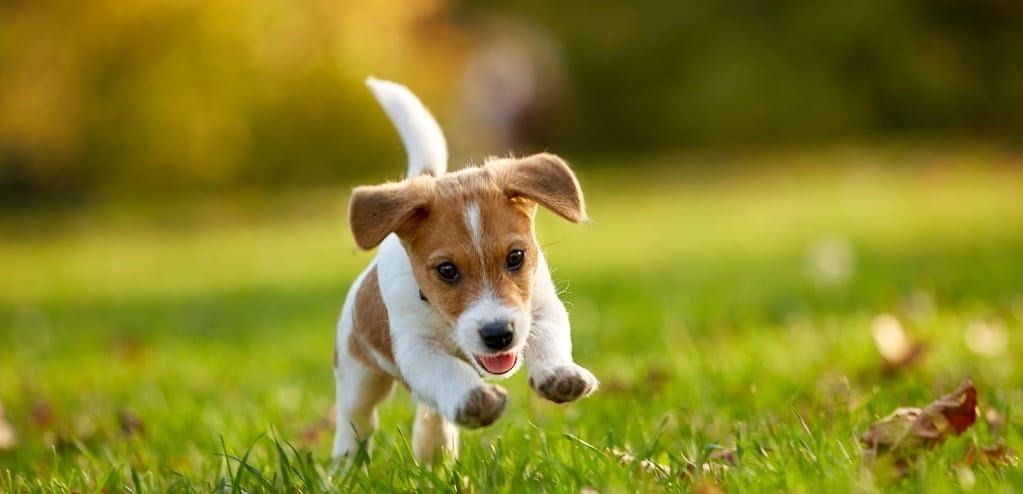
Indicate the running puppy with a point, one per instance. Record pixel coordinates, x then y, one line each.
459 291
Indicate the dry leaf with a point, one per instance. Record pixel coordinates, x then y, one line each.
894 344
7 437
998 454
907 431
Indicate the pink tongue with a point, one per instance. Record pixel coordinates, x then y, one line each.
498 364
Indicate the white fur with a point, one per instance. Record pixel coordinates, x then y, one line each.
359 388
424 141
436 363
423 348
486 309
550 341
473 222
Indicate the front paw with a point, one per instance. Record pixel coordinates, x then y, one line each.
563 384
481 406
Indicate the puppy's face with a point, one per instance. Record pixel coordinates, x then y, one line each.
469 237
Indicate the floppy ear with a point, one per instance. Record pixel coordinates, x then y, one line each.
547 180
376 211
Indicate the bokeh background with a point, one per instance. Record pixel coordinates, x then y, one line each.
806 214
159 97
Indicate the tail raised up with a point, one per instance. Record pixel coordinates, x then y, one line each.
424 141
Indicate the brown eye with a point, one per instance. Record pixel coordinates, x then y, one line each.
448 272
515 259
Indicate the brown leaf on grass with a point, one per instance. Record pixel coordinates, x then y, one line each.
998 454
7 437
902 435
895 345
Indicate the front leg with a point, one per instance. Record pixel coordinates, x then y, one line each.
447 384
552 373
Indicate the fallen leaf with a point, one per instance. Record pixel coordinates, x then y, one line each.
894 344
7 437
902 435
998 454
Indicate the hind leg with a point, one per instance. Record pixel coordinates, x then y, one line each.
432 435
359 389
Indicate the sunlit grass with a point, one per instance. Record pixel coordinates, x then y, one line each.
155 348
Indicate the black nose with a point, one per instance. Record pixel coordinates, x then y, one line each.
497 335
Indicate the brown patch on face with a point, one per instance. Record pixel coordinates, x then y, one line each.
429 216
445 235
371 328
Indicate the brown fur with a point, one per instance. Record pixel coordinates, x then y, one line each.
428 215
443 236
371 329
547 180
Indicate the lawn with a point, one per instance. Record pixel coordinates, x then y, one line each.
726 302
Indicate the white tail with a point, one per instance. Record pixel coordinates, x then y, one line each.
424 141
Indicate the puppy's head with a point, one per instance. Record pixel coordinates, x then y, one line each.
470 238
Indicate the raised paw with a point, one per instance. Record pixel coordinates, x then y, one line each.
481 406
563 384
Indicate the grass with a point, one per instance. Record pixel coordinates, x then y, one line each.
186 347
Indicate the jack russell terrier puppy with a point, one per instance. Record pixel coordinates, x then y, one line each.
459 291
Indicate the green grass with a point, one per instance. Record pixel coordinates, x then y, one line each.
187 346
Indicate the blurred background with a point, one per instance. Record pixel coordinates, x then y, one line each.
768 181
164 97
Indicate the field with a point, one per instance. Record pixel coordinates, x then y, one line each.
726 302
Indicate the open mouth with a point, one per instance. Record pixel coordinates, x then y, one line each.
497 364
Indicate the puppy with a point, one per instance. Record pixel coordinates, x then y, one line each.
459 291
